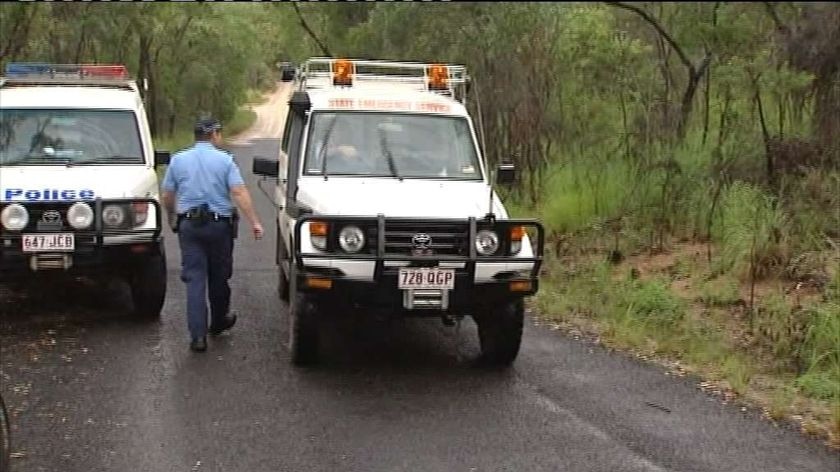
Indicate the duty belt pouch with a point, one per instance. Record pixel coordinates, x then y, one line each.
202 214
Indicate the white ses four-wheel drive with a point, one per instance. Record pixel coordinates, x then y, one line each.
78 188
385 204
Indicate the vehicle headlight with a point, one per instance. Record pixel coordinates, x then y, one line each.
14 217
486 242
113 216
80 215
351 239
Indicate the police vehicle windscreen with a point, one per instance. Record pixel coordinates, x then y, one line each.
373 144
69 137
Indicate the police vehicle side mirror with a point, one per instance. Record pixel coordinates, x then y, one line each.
162 158
506 174
266 167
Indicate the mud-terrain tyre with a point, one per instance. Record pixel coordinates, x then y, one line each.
148 286
303 330
5 438
500 333
282 277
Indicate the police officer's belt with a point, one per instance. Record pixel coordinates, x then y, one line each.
200 214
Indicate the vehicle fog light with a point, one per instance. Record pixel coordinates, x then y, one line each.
80 215
14 217
351 239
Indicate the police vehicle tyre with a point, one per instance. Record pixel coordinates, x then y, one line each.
5 438
148 286
303 328
303 342
282 278
500 333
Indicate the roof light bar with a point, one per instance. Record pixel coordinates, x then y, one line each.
38 69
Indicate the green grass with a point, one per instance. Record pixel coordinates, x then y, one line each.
720 291
821 352
241 121
180 140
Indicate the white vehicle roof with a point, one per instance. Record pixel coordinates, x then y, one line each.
56 96
384 98
383 86
77 86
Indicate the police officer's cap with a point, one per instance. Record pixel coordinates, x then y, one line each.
207 126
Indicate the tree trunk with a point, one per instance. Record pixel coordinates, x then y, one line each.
706 108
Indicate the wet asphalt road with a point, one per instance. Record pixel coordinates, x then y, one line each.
91 389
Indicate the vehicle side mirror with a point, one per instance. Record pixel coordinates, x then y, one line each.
506 174
266 167
162 158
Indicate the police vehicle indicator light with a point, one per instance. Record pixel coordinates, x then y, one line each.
343 70
438 76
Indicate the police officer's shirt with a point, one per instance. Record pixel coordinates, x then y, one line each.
202 174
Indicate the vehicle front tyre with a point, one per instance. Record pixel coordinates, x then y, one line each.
500 333
5 438
282 278
148 286
303 330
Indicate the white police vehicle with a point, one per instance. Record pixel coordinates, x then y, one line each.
386 203
78 187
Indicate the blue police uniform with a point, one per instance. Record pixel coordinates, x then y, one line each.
202 176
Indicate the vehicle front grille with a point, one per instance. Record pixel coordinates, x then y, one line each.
443 239
37 221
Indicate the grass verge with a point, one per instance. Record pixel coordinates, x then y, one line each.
783 355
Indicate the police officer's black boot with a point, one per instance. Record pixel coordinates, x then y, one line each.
225 325
199 344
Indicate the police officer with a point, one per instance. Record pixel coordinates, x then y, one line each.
198 188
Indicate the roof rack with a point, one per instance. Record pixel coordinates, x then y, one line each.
36 73
445 79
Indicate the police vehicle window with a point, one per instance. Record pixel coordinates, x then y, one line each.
391 144
61 137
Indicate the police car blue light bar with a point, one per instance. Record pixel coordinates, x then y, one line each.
102 71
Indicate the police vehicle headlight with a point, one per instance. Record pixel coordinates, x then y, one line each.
351 239
80 215
14 217
113 216
486 242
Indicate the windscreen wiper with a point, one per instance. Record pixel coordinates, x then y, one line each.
322 154
387 153
116 157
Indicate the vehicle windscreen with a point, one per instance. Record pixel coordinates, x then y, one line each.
374 144
69 137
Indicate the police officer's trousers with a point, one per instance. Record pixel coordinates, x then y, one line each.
206 263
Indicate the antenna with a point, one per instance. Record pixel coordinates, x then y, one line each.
490 174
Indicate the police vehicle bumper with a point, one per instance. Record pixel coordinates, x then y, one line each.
49 244
372 276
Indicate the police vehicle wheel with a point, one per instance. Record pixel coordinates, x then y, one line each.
282 278
282 284
500 333
303 330
5 439
148 286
